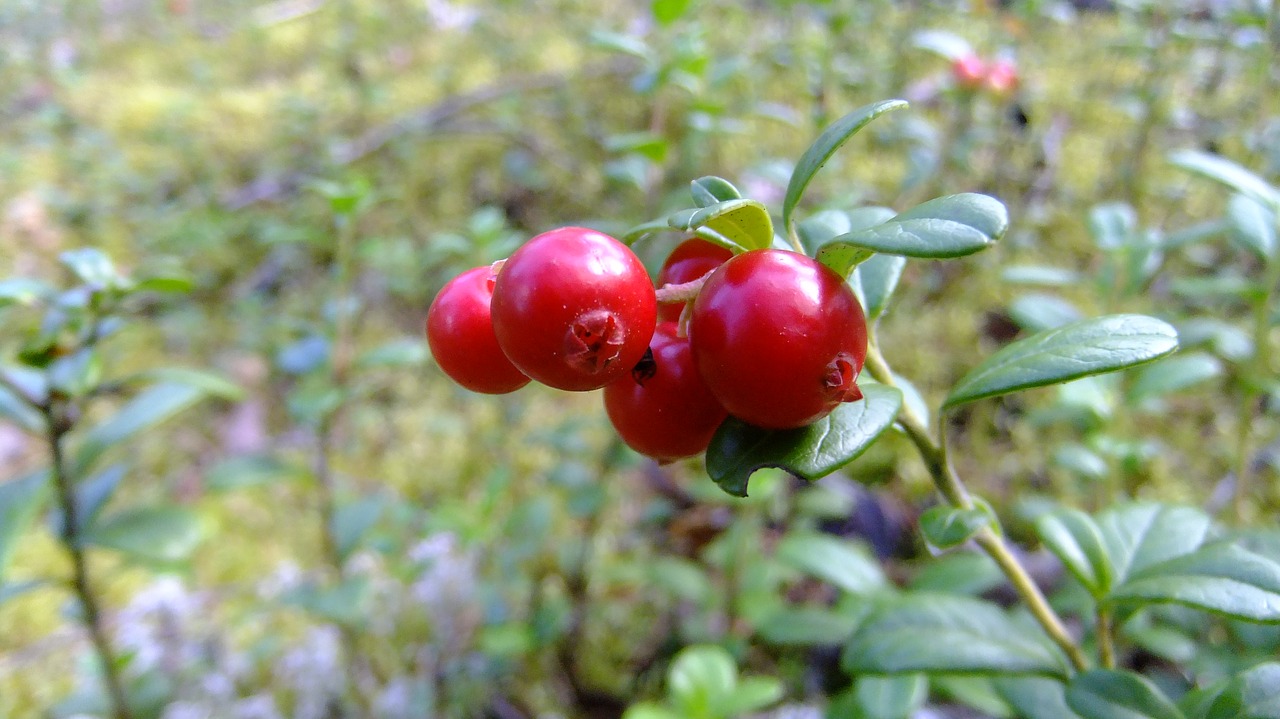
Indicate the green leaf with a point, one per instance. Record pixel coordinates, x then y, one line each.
874 281
149 408
945 526
700 679
1227 173
92 266
639 232
649 710
744 223
1252 225
896 697
91 495
23 291
1254 694
1140 535
159 535
844 564
1034 697
811 452
1223 578
19 412
1110 694
969 573
214 385
951 226
824 147
946 634
343 604
668 11
1173 374
252 471
403 352
711 190
170 284
1037 312
1080 349
20 502
807 626
353 520
1039 275
1075 539
753 694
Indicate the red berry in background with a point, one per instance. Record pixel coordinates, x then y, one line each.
574 309
663 409
969 72
1002 78
779 338
690 260
460 334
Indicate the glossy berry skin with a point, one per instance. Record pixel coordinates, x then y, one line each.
663 409
461 337
574 309
779 338
689 261
969 72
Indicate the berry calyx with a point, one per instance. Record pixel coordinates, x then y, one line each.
461 337
663 409
690 260
778 338
574 309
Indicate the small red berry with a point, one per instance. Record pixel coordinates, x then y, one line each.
690 260
779 338
574 309
663 409
969 72
1002 78
460 334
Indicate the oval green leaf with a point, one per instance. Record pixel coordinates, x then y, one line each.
1173 374
1252 225
946 634
844 564
745 223
1222 578
159 535
942 228
1080 349
825 146
945 527
1075 539
1254 694
1110 694
710 190
874 281
1228 174
811 452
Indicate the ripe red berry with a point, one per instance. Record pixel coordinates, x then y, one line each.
663 409
969 72
574 309
779 338
461 336
690 260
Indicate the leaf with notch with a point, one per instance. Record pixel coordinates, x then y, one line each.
1089 347
710 190
744 223
1222 578
946 634
942 228
825 146
1111 694
811 452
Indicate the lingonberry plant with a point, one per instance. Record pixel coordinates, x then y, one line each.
779 334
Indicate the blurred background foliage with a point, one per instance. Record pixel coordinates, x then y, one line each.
370 540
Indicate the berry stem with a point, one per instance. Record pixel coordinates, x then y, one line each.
934 453
682 291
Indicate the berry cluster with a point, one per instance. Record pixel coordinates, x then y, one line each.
973 74
771 337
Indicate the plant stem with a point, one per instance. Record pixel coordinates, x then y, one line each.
71 542
948 483
1106 642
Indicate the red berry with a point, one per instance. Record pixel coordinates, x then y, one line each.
574 309
663 409
1002 78
969 72
779 338
461 336
690 260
